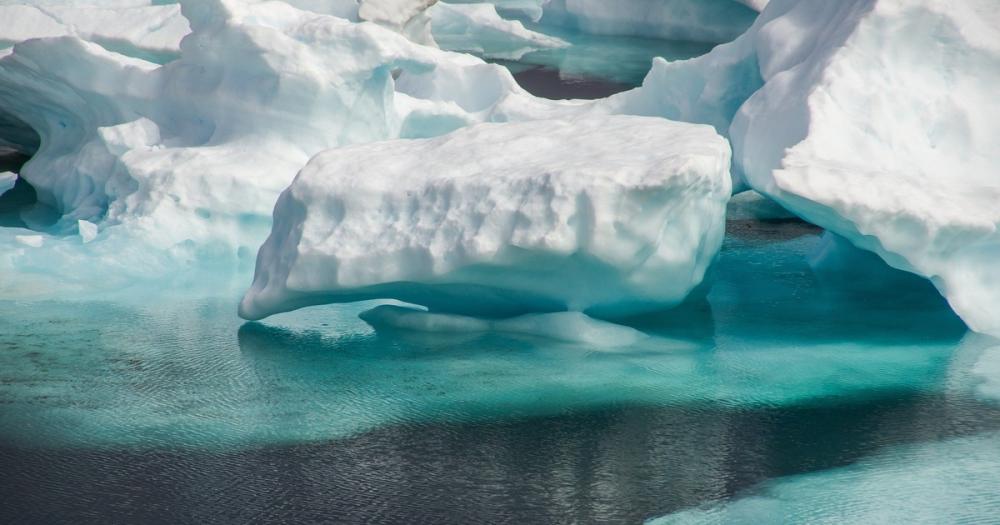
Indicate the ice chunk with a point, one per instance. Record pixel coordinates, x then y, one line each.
7 181
184 161
951 481
572 327
478 29
879 121
756 5
405 16
151 32
87 229
34 241
606 215
987 369
395 13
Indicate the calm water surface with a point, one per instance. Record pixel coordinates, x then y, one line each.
778 393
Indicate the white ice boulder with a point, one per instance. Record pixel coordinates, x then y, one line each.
879 120
606 215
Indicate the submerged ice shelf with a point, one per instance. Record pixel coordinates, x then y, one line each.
772 332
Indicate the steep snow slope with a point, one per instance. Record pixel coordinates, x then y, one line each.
605 215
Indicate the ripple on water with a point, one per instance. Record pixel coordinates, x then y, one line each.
174 410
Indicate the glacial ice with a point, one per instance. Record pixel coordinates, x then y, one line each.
879 121
479 29
179 163
627 211
858 131
7 180
88 230
183 161
573 327
150 32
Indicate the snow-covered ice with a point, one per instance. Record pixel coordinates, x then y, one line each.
479 29
879 121
151 32
605 215
182 162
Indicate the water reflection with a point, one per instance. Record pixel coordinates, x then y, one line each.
611 465
176 411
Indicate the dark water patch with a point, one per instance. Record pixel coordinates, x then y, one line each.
550 83
618 465
770 230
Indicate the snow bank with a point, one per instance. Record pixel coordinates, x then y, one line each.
606 215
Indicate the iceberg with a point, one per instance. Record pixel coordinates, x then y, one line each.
607 215
180 163
879 122
906 170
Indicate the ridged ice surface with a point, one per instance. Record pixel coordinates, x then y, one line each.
605 215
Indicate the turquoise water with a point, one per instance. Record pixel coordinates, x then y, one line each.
624 60
776 392
592 66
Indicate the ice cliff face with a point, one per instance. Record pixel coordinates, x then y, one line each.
605 215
